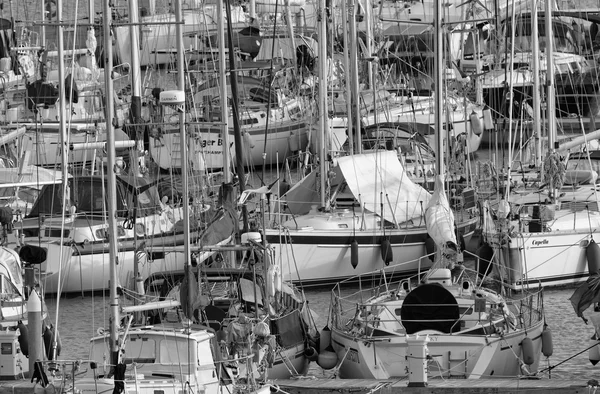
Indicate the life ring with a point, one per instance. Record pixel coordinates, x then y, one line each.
50 11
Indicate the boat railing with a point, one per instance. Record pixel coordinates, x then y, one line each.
369 320
388 282
343 206
358 303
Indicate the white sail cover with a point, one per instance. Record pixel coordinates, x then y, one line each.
439 217
10 266
489 227
379 177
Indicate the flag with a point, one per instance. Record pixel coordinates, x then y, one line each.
585 295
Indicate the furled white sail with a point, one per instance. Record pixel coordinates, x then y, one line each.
378 181
439 217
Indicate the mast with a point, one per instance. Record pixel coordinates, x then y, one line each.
45 17
64 138
135 119
184 157
223 92
62 94
369 45
437 83
239 153
112 185
550 78
347 80
511 100
323 115
536 102
135 111
354 75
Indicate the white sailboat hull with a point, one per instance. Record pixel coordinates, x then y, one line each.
78 246
314 257
90 272
552 258
207 146
470 357
158 41
459 120
465 330
44 143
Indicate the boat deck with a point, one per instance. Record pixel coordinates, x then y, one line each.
447 386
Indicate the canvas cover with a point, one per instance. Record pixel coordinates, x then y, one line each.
288 329
302 196
379 178
430 307
439 217
10 265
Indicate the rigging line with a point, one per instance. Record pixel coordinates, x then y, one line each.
289 237
65 185
268 109
551 367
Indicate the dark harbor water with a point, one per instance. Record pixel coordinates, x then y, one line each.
80 318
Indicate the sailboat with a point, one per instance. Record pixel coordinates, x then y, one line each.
239 290
144 219
177 355
464 118
274 126
158 41
355 214
549 238
149 215
472 332
440 323
574 71
33 100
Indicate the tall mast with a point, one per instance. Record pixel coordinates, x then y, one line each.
64 138
45 18
135 111
223 92
91 14
369 45
61 92
135 116
184 155
355 97
323 116
550 77
239 153
535 43
112 184
511 63
347 77
437 85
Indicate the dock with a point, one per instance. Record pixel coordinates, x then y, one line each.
434 386
306 385
24 387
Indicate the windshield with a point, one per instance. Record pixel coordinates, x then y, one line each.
563 35
87 195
